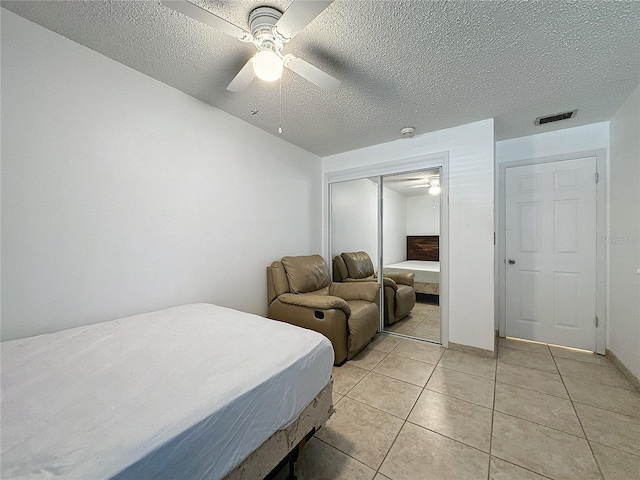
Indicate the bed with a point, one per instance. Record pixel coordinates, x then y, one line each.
197 391
423 259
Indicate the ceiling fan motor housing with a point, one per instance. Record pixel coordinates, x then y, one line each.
262 21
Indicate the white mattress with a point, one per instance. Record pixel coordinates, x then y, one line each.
186 392
426 272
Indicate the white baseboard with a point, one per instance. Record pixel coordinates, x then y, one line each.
623 368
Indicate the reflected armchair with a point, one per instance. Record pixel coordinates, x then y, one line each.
399 292
300 292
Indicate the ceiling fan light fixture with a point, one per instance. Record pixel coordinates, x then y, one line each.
434 186
434 190
267 66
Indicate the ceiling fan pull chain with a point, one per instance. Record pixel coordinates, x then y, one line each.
280 122
254 110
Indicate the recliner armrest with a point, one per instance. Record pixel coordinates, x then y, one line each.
367 291
318 302
402 278
388 282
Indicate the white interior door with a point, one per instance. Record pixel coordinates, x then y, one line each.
551 252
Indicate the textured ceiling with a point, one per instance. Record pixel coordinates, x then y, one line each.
411 184
428 64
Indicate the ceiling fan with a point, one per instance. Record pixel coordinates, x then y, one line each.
432 183
270 31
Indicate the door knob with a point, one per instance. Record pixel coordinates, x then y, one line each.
511 261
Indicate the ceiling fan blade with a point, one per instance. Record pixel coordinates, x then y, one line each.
244 77
208 18
299 14
311 73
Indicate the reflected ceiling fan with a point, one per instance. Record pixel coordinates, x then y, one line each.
270 31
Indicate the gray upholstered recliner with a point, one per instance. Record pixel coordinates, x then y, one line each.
301 292
399 293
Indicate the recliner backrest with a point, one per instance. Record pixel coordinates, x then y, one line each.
359 264
277 282
306 273
340 271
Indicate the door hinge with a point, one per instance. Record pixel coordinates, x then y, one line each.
597 177
596 322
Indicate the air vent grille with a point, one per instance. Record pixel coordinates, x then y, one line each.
556 117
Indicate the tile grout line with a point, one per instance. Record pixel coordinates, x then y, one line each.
535 423
440 434
345 453
466 373
532 389
606 410
460 399
376 471
580 378
378 409
407 419
493 411
437 364
579 420
614 448
528 366
523 468
541 425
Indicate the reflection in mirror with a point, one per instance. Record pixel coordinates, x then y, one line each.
354 225
354 217
411 229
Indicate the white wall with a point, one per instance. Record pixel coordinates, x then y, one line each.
354 218
423 215
624 237
569 140
394 226
471 178
561 142
123 195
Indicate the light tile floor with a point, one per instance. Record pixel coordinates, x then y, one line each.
410 410
422 322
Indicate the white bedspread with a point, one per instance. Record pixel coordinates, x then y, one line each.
426 272
186 392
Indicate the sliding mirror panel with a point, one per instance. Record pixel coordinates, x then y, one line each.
354 220
410 253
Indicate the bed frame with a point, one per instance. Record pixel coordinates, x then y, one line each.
424 248
282 447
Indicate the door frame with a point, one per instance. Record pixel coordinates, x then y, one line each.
601 233
405 165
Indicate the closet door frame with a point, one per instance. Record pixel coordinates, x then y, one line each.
407 165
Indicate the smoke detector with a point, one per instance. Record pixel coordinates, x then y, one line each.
407 132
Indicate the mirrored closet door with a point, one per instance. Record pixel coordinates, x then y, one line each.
391 224
354 227
354 217
410 253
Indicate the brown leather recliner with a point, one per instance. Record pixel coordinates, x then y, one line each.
399 293
301 292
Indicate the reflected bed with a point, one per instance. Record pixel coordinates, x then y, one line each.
423 259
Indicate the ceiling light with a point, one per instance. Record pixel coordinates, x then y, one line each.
267 65
434 186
